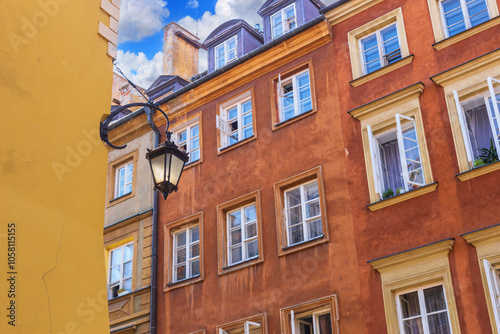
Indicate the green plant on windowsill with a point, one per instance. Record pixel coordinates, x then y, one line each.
399 191
487 156
122 292
387 193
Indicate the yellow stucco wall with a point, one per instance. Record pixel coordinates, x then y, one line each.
55 83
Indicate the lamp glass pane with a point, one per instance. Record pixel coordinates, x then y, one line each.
176 169
158 167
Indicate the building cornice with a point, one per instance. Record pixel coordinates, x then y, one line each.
486 234
342 10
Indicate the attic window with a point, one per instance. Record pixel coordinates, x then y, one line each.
226 52
283 21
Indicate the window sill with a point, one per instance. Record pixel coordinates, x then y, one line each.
121 199
466 34
235 145
277 126
184 282
192 164
303 245
241 265
478 171
381 71
403 197
130 294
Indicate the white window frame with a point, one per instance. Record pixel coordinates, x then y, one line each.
246 327
244 239
284 25
295 324
382 56
189 259
122 263
117 178
376 159
295 91
225 46
222 122
189 149
423 311
465 13
493 281
304 222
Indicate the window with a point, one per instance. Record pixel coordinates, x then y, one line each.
252 325
120 270
479 123
418 290
396 157
317 317
123 182
378 47
186 253
303 213
493 281
226 52
456 20
122 174
183 252
235 122
283 21
460 15
240 233
294 95
300 210
423 310
188 139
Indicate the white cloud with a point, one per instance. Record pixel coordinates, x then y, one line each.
138 68
193 4
141 18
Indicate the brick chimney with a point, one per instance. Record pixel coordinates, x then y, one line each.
180 52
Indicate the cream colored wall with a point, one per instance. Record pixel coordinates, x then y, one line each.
143 199
55 83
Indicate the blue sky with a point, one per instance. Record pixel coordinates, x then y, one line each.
140 35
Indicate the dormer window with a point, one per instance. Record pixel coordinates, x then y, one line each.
283 21
225 52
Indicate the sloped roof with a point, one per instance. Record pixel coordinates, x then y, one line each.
276 3
222 27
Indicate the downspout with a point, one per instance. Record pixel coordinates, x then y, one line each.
154 237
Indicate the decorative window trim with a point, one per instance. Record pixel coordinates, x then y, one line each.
227 103
169 229
380 115
354 36
349 9
412 268
112 169
330 302
283 20
224 44
487 244
260 318
180 124
439 30
112 244
222 210
273 84
199 332
281 228
467 80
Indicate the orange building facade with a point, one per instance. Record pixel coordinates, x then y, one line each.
365 205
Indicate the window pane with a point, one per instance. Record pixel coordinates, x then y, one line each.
181 137
195 143
294 215
235 254
325 324
233 138
277 25
181 238
194 250
315 228
312 209
296 234
234 219
235 237
128 252
434 299
116 256
195 268
127 269
248 132
194 155
181 255
231 43
115 274
453 16
250 213
130 168
127 284
250 230
312 191
247 106
180 272
303 79
390 42
438 323
370 53
252 249
409 304
293 197
195 130
232 113
195 234
413 326
247 119
478 12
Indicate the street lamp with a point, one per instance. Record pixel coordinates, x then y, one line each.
167 161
